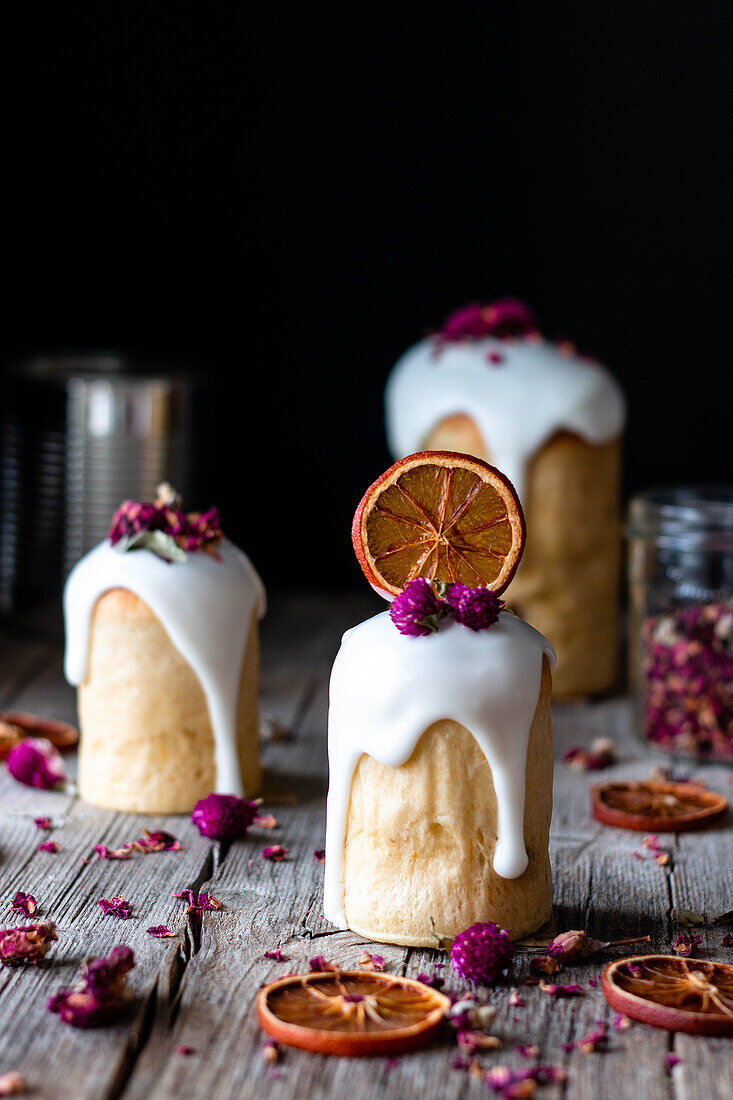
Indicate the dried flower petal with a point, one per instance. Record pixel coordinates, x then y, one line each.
156 841
112 853
686 945
43 822
265 821
672 1059
100 992
12 1084
544 964
164 528
115 907
320 855
600 755
28 943
271 1051
527 1051
371 962
48 846
276 954
35 762
319 964
591 1042
433 980
275 852
185 1049
621 1022
161 932
570 990
224 816
515 999
197 903
23 903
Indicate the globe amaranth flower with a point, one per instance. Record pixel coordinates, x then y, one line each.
476 608
482 952
28 943
36 763
223 816
418 609
504 318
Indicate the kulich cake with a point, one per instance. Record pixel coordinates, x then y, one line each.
162 642
439 732
489 385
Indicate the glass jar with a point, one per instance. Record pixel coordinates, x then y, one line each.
681 619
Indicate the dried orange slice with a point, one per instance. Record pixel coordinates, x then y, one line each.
440 515
18 724
650 806
690 995
351 1012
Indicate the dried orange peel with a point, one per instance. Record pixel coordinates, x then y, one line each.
351 1012
443 516
649 806
19 725
690 995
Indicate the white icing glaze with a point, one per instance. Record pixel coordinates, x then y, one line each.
388 688
517 404
205 606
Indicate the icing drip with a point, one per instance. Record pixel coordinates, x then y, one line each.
517 403
388 688
205 606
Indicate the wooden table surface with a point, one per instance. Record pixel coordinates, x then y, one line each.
199 989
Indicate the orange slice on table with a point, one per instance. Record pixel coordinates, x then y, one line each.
690 995
655 807
440 515
351 1012
16 725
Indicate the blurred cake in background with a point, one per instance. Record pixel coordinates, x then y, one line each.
162 642
488 384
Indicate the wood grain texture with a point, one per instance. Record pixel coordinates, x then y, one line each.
199 989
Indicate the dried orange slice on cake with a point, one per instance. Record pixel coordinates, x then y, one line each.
439 515
691 995
351 1012
655 807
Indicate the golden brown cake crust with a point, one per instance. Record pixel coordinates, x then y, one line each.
567 582
146 740
420 839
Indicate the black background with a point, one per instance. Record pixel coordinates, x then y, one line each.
289 200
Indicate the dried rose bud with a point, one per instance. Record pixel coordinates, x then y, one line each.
223 816
37 763
573 945
28 943
482 952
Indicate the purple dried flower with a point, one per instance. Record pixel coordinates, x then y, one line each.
686 945
48 846
476 608
23 903
223 816
198 903
100 992
36 763
505 317
28 943
115 907
482 952
418 609
274 852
